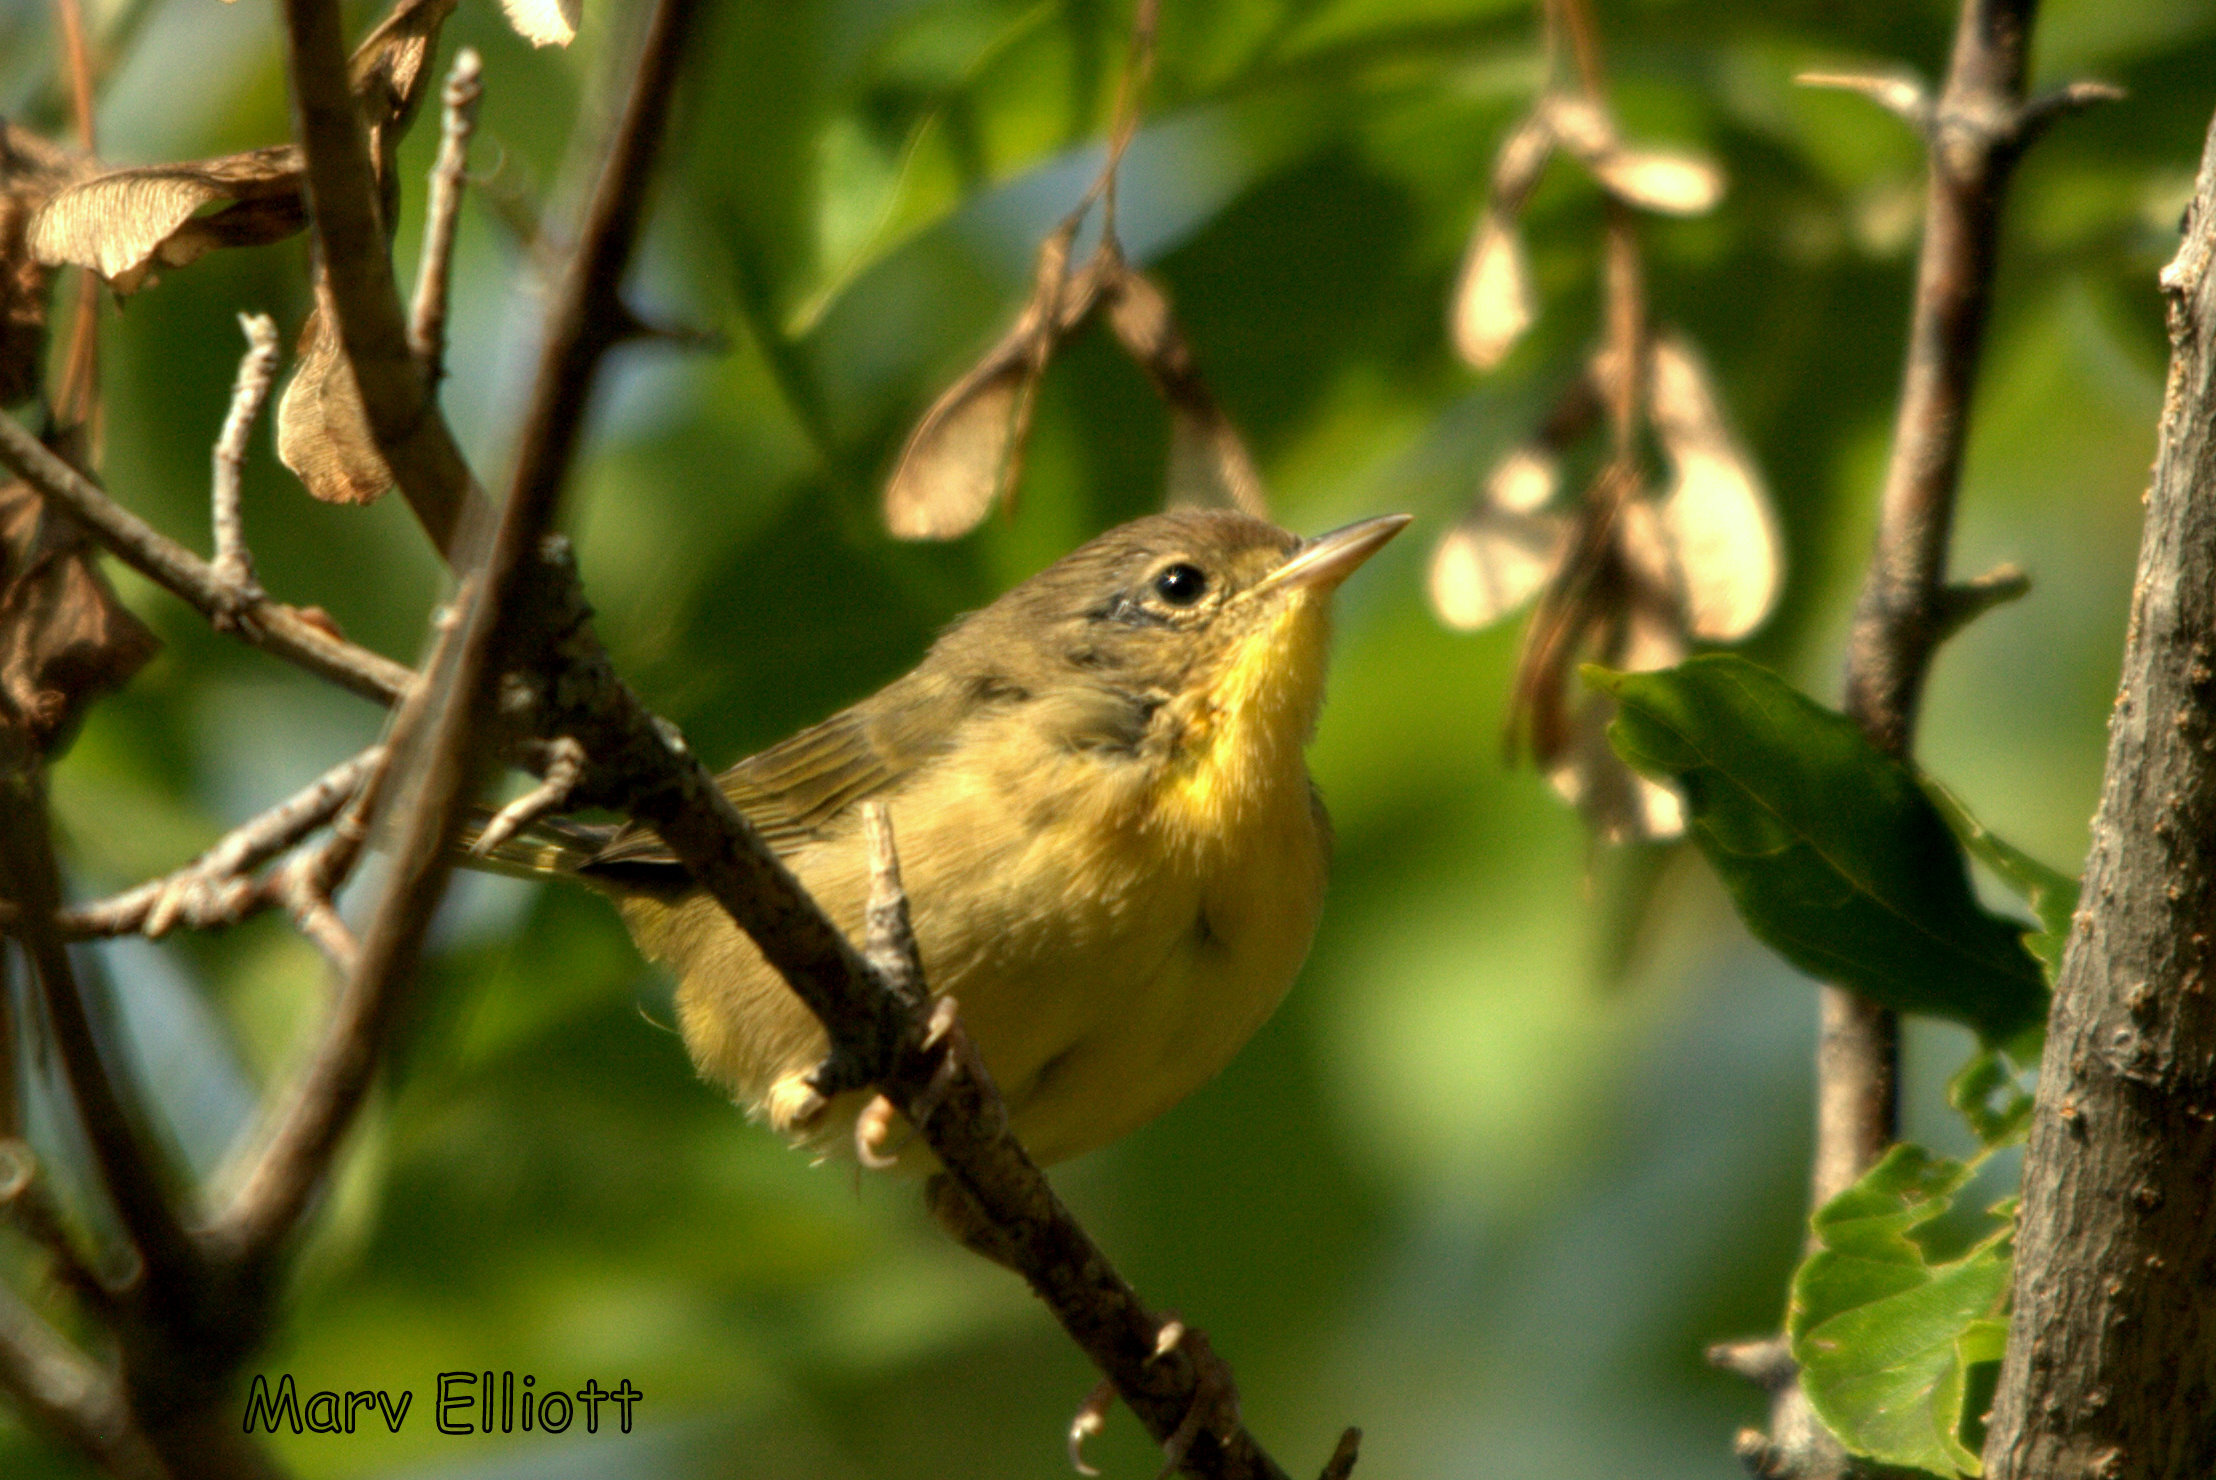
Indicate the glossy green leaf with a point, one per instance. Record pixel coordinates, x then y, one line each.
1885 1337
2051 894
1833 854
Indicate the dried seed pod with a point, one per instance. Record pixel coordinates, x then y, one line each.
544 22
1493 300
1505 547
1671 182
124 223
323 432
1668 182
1209 467
1720 527
67 638
1516 168
963 457
1619 805
967 452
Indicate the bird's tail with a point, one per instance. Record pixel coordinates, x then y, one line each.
552 845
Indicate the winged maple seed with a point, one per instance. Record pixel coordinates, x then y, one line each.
1626 577
966 454
65 637
1493 303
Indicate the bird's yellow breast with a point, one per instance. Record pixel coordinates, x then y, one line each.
1113 927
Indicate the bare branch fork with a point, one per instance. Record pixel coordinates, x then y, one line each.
1975 131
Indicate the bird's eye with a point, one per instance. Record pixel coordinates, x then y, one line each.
1181 584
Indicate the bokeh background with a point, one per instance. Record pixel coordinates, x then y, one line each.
1531 1130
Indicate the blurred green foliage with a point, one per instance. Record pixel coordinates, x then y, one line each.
1510 1156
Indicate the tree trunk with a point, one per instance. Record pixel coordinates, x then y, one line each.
2111 1365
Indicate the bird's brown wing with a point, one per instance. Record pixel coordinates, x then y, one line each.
801 788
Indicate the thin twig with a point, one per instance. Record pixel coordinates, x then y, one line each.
303 1132
78 402
269 625
349 233
565 768
442 214
1896 92
215 889
1975 131
232 564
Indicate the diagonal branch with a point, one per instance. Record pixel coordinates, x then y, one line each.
270 625
216 888
435 728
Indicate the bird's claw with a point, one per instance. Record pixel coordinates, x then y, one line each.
1091 1417
1215 1405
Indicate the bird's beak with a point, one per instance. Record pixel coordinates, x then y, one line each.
1323 562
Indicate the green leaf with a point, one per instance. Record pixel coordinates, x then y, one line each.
2052 894
1885 1338
1833 854
1986 1093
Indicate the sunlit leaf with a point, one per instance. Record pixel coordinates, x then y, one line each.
1830 849
1715 514
1886 1337
1987 1095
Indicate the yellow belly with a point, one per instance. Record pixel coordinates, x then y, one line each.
1110 947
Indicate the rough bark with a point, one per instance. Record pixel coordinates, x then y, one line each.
2111 1365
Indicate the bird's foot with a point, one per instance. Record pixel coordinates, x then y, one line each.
1215 1406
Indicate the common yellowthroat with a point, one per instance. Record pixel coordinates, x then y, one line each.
1113 854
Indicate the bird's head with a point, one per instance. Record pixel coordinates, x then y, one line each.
1166 635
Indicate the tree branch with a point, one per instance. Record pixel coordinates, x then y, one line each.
2111 1363
29 879
232 562
1975 131
216 889
61 1391
270 625
434 728
442 214
346 222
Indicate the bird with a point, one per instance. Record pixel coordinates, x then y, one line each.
1112 849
